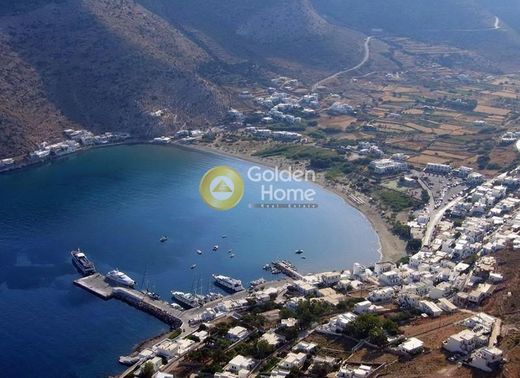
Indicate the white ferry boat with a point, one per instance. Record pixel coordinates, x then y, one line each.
228 283
120 278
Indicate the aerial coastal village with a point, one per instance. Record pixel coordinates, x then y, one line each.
402 117
433 308
364 320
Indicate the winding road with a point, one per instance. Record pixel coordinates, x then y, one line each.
366 57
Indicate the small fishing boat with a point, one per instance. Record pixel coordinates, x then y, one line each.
128 361
215 247
224 236
230 251
177 306
231 255
199 252
151 295
299 251
258 282
163 238
193 266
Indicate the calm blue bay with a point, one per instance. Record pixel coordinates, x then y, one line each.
115 203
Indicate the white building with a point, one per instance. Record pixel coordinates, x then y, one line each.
293 361
305 288
339 323
486 359
156 363
381 295
430 308
480 293
384 266
411 346
171 348
237 333
388 166
240 364
463 342
390 278
437 168
272 338
366 306
305 347
351 372
288 323
6 162
447 306
330 278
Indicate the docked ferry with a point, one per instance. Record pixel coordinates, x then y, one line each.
82 263
228 283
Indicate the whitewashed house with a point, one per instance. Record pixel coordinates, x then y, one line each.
390 278
240 363
293 361
381 295
412 346
486 359
237 333
463 342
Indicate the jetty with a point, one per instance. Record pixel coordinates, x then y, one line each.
98 285
287 268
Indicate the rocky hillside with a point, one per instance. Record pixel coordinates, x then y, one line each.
102 65
110 64
287 36
467 24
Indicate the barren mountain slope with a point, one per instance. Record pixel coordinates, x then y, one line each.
284 36
467 24
102 65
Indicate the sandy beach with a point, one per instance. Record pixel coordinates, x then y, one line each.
391 247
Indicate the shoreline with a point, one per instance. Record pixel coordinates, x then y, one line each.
391 248
27 163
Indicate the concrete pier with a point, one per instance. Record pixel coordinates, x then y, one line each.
287 268
98 285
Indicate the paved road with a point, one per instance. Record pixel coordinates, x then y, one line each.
431 201
366 57
493 339
436 218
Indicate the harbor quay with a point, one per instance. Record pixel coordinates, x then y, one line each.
98 285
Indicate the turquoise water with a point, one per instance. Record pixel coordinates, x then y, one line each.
115 203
